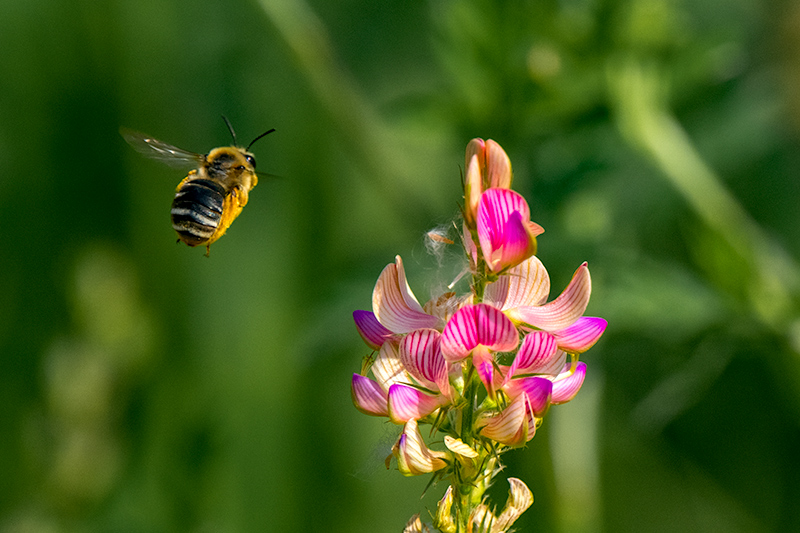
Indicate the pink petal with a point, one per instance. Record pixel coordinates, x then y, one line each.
515 245
483 361
536 353
368 396
510 426
407 403
370 329
567 384
538 390
526 284
581 335
477 324
394 304
564 310
504 230
421 356
495 207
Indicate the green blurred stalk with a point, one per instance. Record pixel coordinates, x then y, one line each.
360 127
638 93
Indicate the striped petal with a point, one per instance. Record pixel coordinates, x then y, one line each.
536 353
564 310
526 284
394 304
498 166
458 447
567 384
555 366
511 425
487 166
538 391
477 324
505 232
368 396
422 357
413 456
388 369
581 335
407 403
520 498
370 329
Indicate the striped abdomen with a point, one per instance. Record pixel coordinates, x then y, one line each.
197 210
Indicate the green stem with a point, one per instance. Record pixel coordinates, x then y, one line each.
477 288
470 484
462 479
467 413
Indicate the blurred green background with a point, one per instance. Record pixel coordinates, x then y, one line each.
146 388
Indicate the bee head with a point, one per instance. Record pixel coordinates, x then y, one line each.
229 161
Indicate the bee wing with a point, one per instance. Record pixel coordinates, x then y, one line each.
161 151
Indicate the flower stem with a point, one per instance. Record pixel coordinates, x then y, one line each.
470 482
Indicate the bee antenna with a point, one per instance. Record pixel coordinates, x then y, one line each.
257 138
230 128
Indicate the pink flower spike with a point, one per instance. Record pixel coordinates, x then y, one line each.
422 357
567 384
535 355
564 310
505 232
394 304
581 335
407 403
370 329
368 396
477 324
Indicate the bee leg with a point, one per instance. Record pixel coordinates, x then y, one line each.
208 250
241 195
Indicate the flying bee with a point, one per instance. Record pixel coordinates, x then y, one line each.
210 198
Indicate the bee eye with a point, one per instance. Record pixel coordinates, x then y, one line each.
251 160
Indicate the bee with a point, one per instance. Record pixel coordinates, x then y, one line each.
213 194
